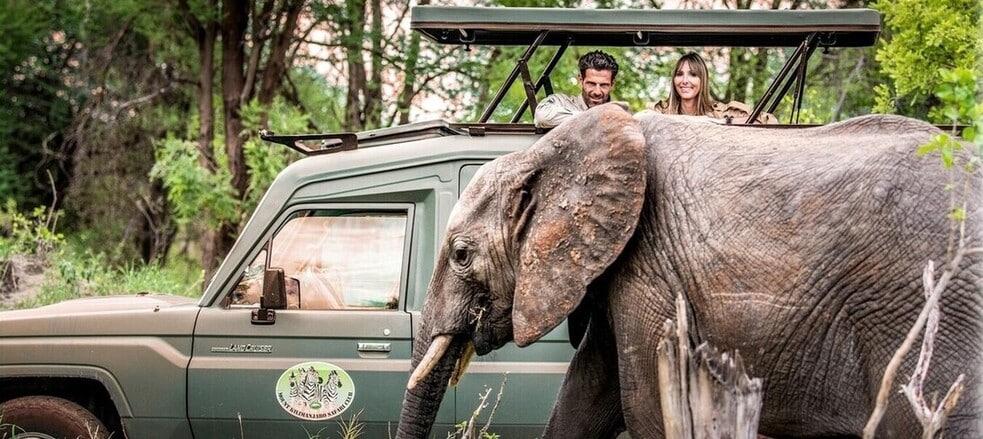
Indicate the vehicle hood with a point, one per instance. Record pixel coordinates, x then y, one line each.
140 314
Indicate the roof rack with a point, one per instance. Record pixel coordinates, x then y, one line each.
805 30
327 143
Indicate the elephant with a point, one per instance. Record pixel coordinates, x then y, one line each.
802 249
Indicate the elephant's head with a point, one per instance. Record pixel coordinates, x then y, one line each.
529 234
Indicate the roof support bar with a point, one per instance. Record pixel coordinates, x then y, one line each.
800 84
521 65
542 83
783 79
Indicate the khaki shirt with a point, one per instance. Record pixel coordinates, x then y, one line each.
734 111
556 108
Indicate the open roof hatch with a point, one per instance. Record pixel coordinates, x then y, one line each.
805 30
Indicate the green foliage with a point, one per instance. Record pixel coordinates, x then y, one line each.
78 272
195 192
322 103
958 92
924 36
205 197
24 24
31 234
266 160
72 271
36 43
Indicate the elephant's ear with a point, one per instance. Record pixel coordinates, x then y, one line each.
586 200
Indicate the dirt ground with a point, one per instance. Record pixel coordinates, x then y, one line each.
20 279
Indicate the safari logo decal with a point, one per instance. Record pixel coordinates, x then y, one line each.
315 391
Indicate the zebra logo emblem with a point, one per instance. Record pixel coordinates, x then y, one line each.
315 391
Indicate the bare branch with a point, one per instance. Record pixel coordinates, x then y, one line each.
931 419
892 368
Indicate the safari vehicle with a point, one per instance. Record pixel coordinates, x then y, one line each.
310 318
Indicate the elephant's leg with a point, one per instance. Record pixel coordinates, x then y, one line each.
637 316
639 384
589 403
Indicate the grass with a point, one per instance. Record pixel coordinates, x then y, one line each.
71 272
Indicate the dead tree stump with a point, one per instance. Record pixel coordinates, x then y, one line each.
704 393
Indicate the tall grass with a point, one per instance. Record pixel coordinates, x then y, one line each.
74 273
60 269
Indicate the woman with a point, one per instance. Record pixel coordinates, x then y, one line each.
690 95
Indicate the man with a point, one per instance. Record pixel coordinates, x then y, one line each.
596 78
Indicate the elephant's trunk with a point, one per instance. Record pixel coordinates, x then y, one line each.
426 389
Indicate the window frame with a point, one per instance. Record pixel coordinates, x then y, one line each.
405 208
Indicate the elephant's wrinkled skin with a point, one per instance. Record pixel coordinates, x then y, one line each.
803 249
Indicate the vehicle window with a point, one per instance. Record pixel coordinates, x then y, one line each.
334 259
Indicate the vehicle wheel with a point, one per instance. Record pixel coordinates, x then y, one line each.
48 417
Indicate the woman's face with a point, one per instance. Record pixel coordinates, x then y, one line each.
687 82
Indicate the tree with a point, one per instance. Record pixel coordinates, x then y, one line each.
266 30
921 38
37 104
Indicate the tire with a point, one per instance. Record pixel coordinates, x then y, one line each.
48 417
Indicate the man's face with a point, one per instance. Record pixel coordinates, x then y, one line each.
595 85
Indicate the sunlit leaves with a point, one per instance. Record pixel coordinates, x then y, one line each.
196 194
923 36
958 93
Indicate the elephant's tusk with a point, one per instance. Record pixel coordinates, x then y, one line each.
462 364
429 361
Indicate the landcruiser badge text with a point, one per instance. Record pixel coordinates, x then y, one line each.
315 390
245 348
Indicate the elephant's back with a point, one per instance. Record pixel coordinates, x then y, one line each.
673 138
865 159
771 213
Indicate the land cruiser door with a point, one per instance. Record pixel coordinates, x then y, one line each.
341 349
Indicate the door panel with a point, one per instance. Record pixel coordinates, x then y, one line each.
237 366
340 351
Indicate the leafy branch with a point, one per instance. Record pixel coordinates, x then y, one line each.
957 92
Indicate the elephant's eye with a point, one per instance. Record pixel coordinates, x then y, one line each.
461 255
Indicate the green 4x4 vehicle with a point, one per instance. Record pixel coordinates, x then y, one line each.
310 318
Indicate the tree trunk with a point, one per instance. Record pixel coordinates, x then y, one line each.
409 72
157 230
261 20
276 65
235 18
206 35
704 393
235 15
356 65
373 88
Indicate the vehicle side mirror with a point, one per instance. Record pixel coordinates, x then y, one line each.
274 292
274 297
274 289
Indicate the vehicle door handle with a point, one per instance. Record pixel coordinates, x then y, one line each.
374 347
